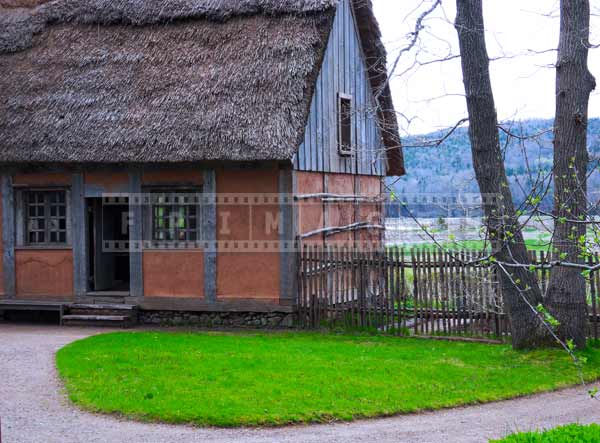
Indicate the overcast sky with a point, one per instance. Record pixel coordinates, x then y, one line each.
431 95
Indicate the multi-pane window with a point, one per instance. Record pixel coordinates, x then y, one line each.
344 124
46 217
175 217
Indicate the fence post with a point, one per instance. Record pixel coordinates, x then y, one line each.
354 285
300 288
314 301
415 268
593 278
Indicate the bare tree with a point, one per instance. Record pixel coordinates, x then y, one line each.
520 287
558 316
566 297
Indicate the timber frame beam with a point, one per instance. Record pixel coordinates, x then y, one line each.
136 267
8 234
337 229
209 234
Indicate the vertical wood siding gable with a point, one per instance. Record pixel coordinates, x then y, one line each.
343 70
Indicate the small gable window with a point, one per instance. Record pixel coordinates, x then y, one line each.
344 124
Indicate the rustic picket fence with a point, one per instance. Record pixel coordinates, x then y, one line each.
409 292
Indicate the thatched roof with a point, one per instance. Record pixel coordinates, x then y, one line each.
101 81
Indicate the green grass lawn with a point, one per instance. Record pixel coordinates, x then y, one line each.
226 379
542 244
563 434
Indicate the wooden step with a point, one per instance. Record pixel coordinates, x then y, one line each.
106 306
101 298
96 317
101 314
101 309
90 310
97 320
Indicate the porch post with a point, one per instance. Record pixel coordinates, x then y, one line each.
78 226
287 233
136 271
8 235
209 233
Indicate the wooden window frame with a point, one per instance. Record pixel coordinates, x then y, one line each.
23 218
344 149
150 227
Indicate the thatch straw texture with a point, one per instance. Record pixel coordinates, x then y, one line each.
159 81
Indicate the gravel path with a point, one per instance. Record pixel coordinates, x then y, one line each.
33 409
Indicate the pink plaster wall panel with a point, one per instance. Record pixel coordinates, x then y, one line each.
253 275
44 273
173 273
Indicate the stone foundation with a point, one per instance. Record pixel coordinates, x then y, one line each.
262 320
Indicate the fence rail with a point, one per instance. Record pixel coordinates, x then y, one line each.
416 292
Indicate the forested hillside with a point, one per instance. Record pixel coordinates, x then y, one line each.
447 170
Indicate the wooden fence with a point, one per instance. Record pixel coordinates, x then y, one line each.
409 292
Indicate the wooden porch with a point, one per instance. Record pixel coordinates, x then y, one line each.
113 311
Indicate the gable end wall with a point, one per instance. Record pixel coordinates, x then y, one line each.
343 71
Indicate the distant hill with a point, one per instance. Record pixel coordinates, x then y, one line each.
447 170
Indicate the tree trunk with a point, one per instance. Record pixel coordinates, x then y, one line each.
520 288
566 298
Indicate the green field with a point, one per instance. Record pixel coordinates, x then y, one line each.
252 379
473 245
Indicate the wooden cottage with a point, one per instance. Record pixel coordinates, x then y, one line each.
169 155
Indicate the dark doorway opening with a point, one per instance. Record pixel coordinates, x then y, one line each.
108 246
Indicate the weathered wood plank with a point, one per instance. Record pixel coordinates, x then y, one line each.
329 111
594 294
302 286
349 161
319 116
403 289
314 148
364 112
342 67
353 67
325 112
356 215
300 162
437 289
338 83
